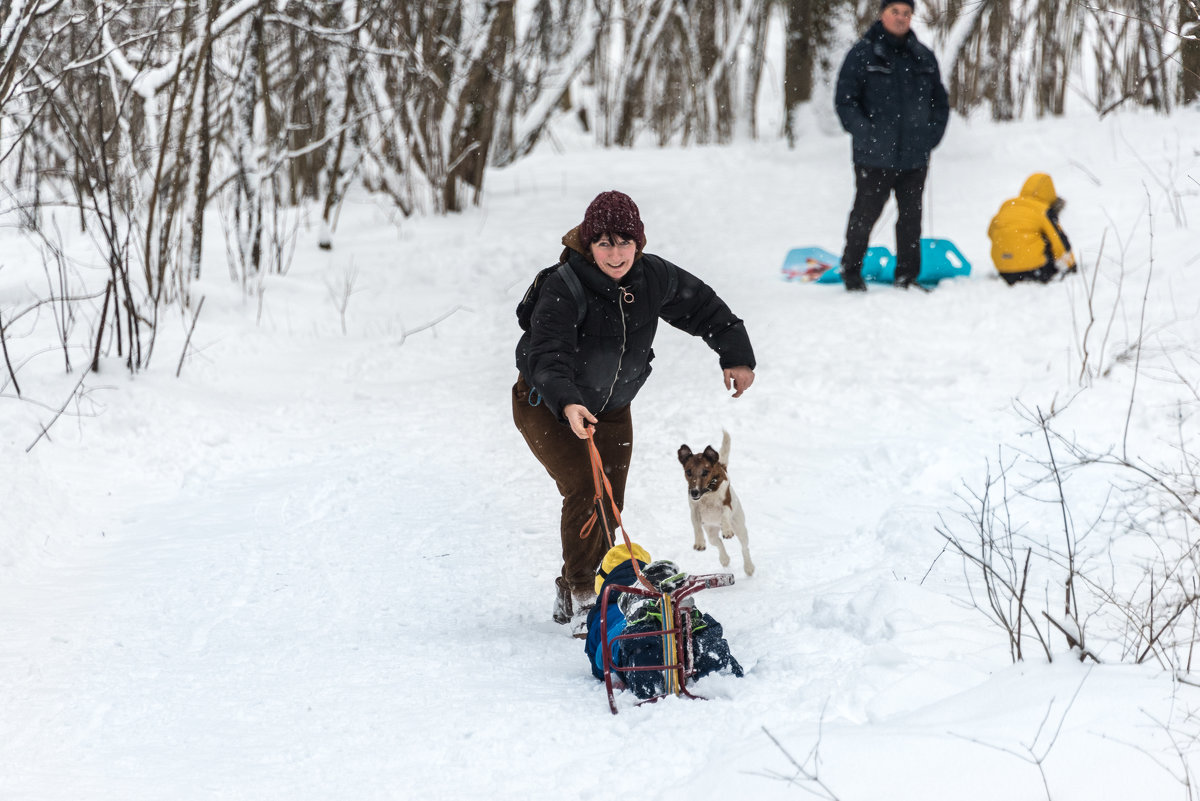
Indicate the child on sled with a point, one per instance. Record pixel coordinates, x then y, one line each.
629 613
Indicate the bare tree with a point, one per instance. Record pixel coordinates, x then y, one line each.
142 119
1189 51
808 33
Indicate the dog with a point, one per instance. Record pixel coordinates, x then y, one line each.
715 506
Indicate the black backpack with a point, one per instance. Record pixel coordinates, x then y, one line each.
525 307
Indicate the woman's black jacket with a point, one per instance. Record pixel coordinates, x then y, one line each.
891 99
604 360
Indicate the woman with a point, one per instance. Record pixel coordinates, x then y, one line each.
583 360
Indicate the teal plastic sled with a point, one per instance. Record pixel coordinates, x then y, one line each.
939 259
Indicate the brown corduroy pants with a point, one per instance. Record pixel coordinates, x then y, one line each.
565 458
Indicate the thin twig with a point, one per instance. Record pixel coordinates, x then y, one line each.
812 777
8 361
1033 757
404 334
1141 329
188 340
109 290
45 432
931 564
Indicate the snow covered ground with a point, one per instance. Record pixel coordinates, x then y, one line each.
319 565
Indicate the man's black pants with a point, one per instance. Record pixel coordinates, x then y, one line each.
872 187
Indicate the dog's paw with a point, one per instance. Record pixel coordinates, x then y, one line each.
724 560
726 536
699 546
749 569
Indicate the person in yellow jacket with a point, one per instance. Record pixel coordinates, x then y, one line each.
1028 244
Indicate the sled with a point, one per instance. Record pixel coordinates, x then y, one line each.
940 259
818 265
677 639
811 264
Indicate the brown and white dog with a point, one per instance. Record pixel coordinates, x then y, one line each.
715 507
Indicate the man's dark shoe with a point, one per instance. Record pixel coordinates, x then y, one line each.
905 282
854 282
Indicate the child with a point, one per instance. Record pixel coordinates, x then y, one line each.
1028 244
632 614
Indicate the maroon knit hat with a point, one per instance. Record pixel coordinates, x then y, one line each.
612 213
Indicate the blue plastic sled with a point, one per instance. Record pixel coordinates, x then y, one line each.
939 259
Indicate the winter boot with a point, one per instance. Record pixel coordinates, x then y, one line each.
582 602
562 602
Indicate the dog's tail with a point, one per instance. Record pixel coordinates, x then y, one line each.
724 447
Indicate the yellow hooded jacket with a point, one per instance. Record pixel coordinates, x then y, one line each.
1022 230
617 555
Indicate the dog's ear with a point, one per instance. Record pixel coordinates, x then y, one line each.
685 453
711 454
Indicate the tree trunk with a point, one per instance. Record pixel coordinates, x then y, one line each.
1000 53
1189 54
475 117
797 63
204 154
755 67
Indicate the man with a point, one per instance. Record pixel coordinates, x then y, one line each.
891 100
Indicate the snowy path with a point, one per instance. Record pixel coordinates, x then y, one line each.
320 566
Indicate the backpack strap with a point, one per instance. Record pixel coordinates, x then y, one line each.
576 286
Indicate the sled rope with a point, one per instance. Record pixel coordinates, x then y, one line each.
600 515
603 488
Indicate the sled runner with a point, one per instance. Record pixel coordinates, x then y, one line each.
676 635
940 258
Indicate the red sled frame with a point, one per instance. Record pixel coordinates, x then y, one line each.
677 638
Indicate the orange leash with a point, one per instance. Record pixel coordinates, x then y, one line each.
603 488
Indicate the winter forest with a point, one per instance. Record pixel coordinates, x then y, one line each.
139 116
267 530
